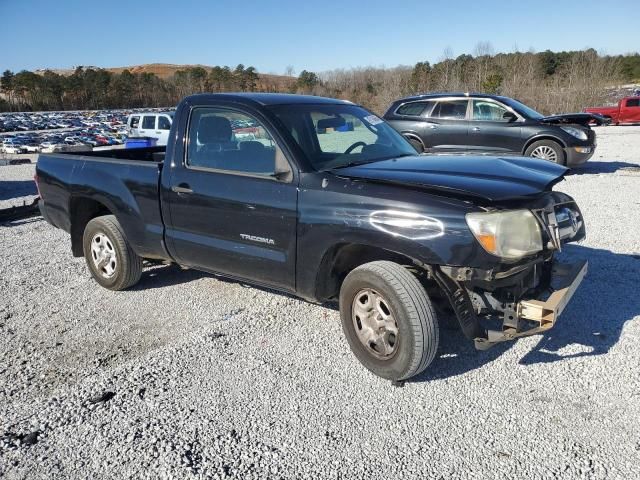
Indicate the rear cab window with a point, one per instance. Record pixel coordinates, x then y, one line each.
633 102
450 109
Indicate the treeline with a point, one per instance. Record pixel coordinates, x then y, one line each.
548 81
93 88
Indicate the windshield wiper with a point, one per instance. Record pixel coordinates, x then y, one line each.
372 160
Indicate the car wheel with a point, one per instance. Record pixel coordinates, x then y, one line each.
111 260
388 320
546 150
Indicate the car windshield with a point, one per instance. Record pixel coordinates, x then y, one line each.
522 109
340 135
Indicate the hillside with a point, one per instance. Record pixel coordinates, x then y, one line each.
167 70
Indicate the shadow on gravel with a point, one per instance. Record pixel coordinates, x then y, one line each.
591 324
457 355
593 321
591 168
160 276
21 221
17 188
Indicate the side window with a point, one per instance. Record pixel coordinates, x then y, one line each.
414 109
488 111
149 122
164 123
224 139
135 121
450 109
633 102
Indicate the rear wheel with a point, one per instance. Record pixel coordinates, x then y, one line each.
109 256
388 320
546 150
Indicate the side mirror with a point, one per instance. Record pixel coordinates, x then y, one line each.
509 116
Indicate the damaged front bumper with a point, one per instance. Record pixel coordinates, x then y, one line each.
536 315
526 302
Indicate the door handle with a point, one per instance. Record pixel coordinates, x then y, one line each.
433 127
182 188
476 129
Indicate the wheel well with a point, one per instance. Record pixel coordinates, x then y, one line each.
82 211
339 260
537 139
414 136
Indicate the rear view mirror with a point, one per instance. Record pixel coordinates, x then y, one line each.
509 116
333 122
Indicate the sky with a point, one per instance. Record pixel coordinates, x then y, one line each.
316 35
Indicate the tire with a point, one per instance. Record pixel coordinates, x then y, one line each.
109 256
414 346
553 150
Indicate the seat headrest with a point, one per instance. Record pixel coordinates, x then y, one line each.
214 130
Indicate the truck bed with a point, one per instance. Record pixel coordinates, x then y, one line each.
126 181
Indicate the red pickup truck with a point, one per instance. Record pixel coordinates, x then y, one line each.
627 111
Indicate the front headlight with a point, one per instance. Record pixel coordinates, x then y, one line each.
575 132
509 234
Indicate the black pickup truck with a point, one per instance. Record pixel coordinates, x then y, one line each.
320 198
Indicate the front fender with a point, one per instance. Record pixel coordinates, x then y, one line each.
427 228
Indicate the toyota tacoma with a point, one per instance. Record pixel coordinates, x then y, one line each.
322 199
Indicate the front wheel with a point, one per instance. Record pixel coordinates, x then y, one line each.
109 256
388 320
546 150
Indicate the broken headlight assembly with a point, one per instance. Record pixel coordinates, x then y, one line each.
510 234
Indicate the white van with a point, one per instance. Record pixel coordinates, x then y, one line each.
150 124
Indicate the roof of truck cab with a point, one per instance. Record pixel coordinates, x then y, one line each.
268 98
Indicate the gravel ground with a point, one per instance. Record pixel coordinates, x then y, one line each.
190 376
17 185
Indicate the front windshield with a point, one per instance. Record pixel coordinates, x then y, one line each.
522 109
336 136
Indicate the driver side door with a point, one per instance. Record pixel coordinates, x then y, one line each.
232 211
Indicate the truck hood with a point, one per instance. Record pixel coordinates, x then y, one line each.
575 118
492 179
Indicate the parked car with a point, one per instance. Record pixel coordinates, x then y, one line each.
353 215
31 147
12 148
491 124
151 124
626 112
